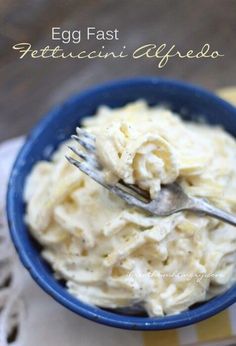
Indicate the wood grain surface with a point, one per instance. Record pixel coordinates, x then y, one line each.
30 87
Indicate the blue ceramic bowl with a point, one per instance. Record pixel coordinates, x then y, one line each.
59 124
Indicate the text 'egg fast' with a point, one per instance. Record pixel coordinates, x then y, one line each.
75 36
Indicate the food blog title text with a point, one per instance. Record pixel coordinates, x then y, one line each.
66 45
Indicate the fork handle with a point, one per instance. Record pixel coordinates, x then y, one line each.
201 205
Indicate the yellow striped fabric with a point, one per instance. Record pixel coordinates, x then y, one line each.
213 329
161 338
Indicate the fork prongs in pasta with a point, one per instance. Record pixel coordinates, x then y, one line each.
89 165
84 143
82 132
85 139
84 155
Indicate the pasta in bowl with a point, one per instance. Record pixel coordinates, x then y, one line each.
113 255
110 238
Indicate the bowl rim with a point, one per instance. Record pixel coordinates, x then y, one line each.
101 316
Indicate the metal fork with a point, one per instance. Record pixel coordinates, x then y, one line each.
171 198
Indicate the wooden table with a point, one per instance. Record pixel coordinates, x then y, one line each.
30 87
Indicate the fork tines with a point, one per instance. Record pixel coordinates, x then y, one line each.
89 164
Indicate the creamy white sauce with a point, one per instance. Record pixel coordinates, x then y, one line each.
113 255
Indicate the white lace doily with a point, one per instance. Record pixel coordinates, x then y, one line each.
11 304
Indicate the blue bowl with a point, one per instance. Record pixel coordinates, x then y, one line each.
59 124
